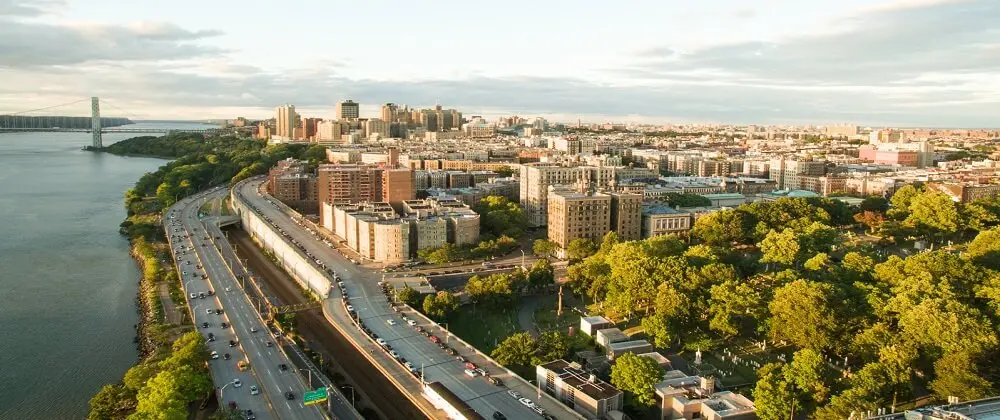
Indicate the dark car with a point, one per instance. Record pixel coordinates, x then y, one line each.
226 356
289 395
269 344
204 325
224 325
495 381
218 311
211 337
283 367
232 343
499 416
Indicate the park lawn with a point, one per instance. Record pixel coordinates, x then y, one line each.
483 327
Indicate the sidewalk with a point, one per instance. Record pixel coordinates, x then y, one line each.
171 314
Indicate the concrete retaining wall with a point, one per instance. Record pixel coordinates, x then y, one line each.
289 257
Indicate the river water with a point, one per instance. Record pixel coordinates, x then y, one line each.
67 282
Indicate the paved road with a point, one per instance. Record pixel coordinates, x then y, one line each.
375 311
264 360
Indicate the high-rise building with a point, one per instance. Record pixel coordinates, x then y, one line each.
329 132
309 127
626 215
286 120
575 215
389 111
348 110
376 126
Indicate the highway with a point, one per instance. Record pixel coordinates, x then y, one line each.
375 311
245 337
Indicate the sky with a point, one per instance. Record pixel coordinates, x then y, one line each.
926 63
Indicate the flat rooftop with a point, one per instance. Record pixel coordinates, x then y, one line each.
580 380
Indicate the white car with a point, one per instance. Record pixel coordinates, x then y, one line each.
390 322
350 308
194 295
229 290
470 372
208 311
394 354
215 355
526 402
380 341
254 390
411 322
237 383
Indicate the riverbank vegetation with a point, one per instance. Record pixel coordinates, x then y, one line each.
172 370
796 303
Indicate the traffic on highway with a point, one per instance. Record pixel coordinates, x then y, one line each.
250 372
422 349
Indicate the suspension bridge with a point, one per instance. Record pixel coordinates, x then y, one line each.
95 124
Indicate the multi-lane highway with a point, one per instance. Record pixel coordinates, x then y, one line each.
376 313
250 371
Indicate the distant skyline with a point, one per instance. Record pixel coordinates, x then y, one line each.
927 63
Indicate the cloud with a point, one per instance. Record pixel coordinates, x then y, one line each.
879 47
25 8
30 44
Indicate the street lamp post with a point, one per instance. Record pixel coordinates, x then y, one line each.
523 265
447 334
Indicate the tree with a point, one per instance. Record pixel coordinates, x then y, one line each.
985 249
657 328
504 171
441 255
810 374
161 398
955 375
816 238
541 274
901 200
801 313
734 306
773 396
873 220
874 204
780 247
440 305
637 375
136 376
500 216
409 296
516 350
543 247
934 211
580 248
724 227
113 401
551 345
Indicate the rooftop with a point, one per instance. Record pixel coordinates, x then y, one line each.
572 375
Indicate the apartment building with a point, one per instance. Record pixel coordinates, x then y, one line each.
286 120
348 110
329 133
348 183
397 187
626 215
579 389
575 215
537 177
786 172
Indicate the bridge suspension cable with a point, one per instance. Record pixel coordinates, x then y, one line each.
127 114
48 107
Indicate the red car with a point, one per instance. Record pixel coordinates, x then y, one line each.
470 365
434 339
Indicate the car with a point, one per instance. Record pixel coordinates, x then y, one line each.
253 329
470 365
229 289
526 402
204 325
390 322
268 344
350 308
495 381
419 329
450 351
211 293
254 390
224 325
226 356
282 367
201 295
513 393
211 337
218 311
237 383
380 341
232 343
499 416
470 372
208 311
194 295
289 395
482 372
461 359
393 354
214 355
538 409
250 415
411 322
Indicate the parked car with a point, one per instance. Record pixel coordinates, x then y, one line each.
495 381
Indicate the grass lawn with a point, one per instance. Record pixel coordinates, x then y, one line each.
483 327
546 319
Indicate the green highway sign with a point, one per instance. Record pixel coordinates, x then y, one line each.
314 397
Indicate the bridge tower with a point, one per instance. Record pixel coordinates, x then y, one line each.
95 121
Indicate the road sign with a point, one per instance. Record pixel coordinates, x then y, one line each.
314 397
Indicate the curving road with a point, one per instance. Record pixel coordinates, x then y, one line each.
197 258
375 311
